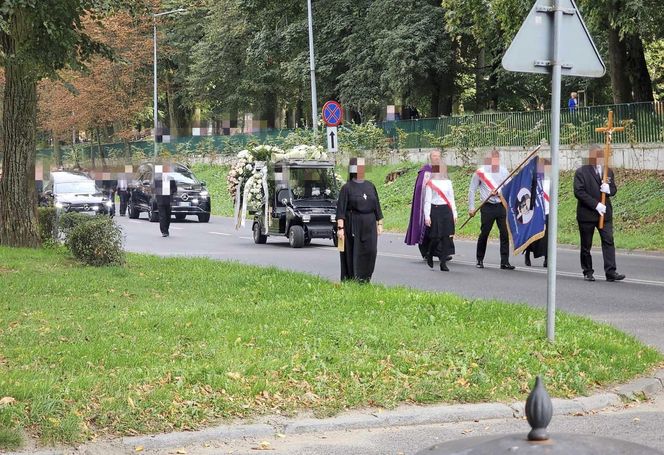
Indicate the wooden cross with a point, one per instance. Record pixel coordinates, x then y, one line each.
608 130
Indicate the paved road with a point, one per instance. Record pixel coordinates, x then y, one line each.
635 305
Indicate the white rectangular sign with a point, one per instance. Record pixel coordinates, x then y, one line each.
332 139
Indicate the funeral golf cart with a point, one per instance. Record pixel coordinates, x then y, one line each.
301 202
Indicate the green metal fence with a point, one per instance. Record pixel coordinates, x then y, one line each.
644 123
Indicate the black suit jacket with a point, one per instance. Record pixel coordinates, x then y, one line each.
588 194
161 198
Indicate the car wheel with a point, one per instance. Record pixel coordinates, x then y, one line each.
180 216
204 218
259 238
153 213
134 213
296 237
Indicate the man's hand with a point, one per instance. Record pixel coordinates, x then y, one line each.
340 233
604 188
380 228
427 221
455 220
472 212
601 208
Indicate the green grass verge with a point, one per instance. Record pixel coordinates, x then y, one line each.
176 343
638 218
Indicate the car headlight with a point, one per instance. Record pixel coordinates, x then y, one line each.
194 201
61 205
205 193
108 204
306 218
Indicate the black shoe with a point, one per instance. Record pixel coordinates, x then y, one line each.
545 263
589 277
430 261
528 263
165 235
480 265
615 277
443 267
507 266
449 258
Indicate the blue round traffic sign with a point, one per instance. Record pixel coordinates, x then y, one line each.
332 113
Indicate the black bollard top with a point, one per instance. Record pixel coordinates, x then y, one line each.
539 411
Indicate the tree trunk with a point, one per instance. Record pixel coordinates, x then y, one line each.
172 117
637 69
434 101
57 151
104 165
622 91
18 197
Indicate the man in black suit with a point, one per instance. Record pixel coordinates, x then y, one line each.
165 188
588 189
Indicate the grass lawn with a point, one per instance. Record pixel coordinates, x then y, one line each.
166 344
638 206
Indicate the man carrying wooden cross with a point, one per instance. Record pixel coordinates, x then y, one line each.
594 185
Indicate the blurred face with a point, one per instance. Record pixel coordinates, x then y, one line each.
434 157
493 160
595 157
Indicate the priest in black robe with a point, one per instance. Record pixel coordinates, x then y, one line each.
359 222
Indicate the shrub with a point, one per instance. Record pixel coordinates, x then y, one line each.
97 242
48 232
69 221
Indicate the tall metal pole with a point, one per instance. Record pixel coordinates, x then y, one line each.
154 71
553 206
312 69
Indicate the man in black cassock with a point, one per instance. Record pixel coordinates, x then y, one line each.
359 222
165 188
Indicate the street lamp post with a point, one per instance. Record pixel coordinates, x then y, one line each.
154 70
312 69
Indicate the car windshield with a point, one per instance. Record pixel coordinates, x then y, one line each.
183 176
316 183
79 187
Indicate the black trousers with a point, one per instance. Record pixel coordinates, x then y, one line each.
164 216
490 214
124 198
587 230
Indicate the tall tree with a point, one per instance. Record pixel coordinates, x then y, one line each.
37 39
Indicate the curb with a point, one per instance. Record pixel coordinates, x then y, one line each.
404 416
409 415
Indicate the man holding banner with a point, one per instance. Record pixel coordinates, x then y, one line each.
523 198
487 179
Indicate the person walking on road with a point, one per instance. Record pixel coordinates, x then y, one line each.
165 188
440 215
487 178
359 223
123 193
588 189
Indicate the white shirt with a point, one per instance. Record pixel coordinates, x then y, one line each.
432 197
496 178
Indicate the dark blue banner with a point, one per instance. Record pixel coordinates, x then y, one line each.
523 198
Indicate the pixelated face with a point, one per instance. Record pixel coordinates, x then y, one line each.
595 156
357 167
434 157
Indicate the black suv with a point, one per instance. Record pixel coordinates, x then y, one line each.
73 191
192 198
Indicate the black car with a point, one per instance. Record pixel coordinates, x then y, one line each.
72 191
191 198
301 204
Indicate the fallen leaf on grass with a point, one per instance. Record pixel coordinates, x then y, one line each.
138 449
263 445
5 401
181 451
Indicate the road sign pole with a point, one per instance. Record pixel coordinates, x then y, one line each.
556 76
312 69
